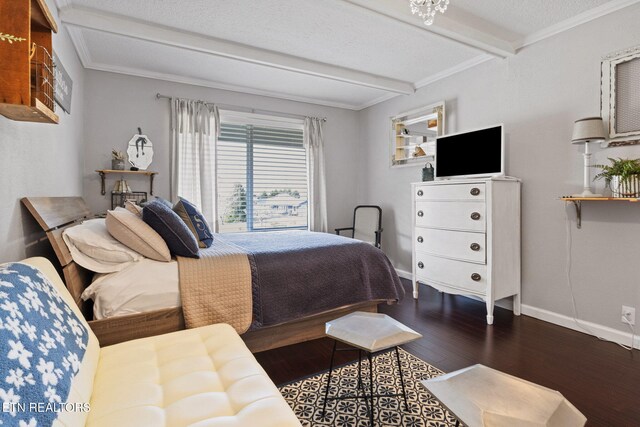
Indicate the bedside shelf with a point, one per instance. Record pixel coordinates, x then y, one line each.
577 202
104 172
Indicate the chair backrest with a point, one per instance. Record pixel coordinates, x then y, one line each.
367 219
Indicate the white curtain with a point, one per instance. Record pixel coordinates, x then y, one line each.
314 145
195 127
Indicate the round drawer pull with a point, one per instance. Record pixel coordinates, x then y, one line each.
420 213
475 216
475 247
420 264
420 193
476 277
475 191
420 239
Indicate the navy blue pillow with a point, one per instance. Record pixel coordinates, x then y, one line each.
195 221
171 228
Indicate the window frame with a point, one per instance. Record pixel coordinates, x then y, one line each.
260 120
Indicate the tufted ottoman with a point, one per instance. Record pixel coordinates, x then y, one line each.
204 377
201 377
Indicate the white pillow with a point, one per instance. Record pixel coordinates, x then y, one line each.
130 230
93 248
144 286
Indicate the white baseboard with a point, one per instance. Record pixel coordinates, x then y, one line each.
404 274
602 331
605 332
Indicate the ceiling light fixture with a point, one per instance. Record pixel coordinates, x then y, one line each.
426 9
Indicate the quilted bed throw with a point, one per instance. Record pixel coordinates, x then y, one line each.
299 273
42 344
216 288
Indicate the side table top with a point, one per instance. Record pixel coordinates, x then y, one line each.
481 396
371 332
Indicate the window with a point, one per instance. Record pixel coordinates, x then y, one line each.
261 174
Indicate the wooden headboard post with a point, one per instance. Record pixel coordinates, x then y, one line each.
54 215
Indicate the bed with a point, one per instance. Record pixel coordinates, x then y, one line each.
270 328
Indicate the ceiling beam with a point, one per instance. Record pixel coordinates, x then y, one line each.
100 21
443 26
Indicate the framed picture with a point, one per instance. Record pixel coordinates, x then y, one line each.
63 85
620 97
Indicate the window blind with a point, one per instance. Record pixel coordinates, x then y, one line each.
261 178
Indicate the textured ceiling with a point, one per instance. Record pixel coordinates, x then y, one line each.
338 33
519 18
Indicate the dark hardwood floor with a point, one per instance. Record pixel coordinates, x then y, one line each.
601 379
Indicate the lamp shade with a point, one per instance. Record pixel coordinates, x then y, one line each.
588 130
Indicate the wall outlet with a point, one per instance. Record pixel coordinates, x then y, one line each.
628 313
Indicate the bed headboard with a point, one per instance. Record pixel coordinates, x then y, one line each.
54 214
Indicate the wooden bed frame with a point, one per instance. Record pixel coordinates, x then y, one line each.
55 214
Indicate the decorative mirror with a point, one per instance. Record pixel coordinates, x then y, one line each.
619 101
414 133
140 151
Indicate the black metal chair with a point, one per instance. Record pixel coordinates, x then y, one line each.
367 224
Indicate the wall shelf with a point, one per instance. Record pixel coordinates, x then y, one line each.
104 172
577 202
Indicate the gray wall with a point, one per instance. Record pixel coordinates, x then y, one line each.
117 104
40 159
537 95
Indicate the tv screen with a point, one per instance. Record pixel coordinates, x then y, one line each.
476 153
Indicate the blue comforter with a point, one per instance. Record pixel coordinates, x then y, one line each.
299 273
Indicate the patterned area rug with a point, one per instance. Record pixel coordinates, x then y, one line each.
307 396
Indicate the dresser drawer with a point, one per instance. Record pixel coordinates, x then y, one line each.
451 192
460 245
457 274
465 216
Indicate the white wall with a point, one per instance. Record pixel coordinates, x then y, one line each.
537 95
117 104
40 159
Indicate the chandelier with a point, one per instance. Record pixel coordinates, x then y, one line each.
426 9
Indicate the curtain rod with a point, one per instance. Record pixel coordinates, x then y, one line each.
238 108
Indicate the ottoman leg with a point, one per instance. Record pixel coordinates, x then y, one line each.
326 392
404 392
371 414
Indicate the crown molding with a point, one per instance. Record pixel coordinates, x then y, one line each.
567 24
62 3
378 100
212 84
77 38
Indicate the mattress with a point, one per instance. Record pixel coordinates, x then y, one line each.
294 274
145 285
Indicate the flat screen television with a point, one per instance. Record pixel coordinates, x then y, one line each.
477 153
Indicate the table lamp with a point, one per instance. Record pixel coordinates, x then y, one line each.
585 131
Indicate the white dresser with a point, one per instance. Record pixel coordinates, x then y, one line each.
466 238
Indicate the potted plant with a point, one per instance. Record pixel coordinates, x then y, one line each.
622 176
117 160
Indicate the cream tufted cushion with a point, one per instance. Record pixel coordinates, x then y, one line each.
204 377
199 377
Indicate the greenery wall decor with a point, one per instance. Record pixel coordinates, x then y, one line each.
10 38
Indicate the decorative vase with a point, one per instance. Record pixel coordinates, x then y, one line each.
629 187
117 164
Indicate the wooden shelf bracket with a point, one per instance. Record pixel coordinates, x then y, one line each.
578 205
